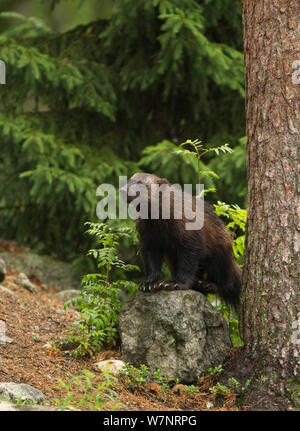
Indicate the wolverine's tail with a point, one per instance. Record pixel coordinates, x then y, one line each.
230 290
226 276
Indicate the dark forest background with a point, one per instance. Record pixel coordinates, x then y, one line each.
103 88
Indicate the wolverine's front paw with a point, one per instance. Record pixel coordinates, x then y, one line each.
163 285
182 286
173 285
151 286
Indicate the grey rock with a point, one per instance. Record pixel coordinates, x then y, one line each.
65 295
21 392
6 407
35 408
179 333
48 270
113 366
4 289
2 270
48 346
10 407
4 339
23 281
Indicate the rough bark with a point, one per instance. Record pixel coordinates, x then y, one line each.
270 303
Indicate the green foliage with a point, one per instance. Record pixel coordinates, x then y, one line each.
219 389
28 26
79 108
137 377
86 392
237 224
109 240
21 402
36 338
177 165
199 151
233 383
191 389
167 159
99 299
234 177
215 371
231 317
178 51
223 390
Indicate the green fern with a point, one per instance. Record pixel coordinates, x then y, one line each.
177 165
99 299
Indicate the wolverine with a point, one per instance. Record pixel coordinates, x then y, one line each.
201 258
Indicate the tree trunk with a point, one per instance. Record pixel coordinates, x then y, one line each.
270 302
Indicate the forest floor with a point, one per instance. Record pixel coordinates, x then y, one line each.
35 321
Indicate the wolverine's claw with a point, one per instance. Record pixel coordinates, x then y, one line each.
148 287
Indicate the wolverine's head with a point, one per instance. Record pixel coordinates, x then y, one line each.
138 184
151 197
